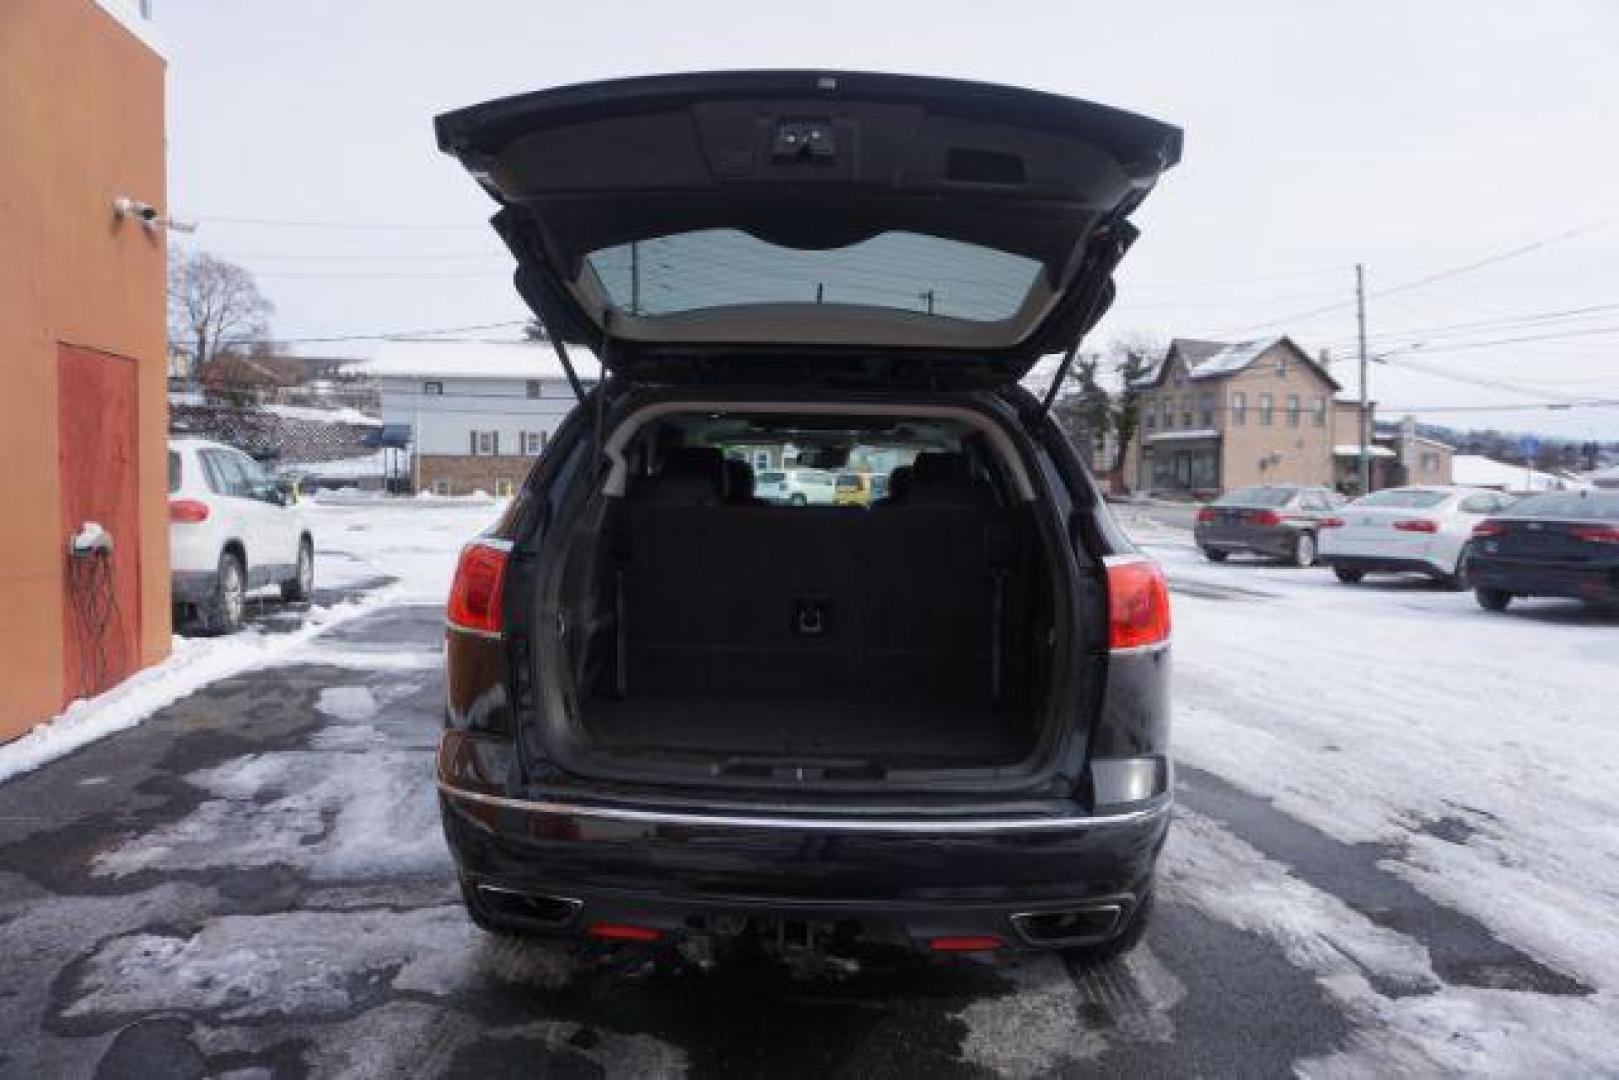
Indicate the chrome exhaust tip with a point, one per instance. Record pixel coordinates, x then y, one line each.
1088 924
538 908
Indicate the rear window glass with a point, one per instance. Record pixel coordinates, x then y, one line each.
174 472
1593 507
717 268
771 477
1256 496
1405 498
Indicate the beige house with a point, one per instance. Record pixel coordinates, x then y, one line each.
1216 416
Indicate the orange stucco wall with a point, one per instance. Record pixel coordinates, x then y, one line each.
81 122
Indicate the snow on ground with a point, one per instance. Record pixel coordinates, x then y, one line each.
412 546
1478 749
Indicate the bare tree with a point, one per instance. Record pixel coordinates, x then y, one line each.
214 306
1132 356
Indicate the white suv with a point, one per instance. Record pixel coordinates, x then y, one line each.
231 529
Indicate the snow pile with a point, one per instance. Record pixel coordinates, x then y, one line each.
415 546
345 415
193 664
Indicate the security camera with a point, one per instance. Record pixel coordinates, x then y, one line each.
145 213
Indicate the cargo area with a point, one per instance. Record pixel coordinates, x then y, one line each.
732 637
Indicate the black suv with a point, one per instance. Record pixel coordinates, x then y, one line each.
676 711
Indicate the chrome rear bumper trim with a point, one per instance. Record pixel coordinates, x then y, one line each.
809 824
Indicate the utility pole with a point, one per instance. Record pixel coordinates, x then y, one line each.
1365 419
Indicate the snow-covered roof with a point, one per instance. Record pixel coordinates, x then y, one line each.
312 414
472 360
1353 450
1474 470
1233 358
1213 359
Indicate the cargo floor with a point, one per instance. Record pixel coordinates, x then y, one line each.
688 724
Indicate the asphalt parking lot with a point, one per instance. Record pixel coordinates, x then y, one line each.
253 882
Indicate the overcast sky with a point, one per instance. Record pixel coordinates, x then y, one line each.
1417 138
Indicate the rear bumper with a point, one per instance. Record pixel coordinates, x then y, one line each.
896 880
1278 540
1383 564
1522 578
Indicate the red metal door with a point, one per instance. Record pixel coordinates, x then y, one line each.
96 411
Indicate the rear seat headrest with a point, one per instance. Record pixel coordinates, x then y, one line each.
935 465
691 475
738 480
940 479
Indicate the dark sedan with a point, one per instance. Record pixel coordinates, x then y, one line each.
1272 519
1559 544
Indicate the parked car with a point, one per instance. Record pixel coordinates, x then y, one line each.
808 487
1557 544
231 530
944 722
1283 520
852 489
1422 530
770 486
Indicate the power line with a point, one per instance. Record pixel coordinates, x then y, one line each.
399 335
383 226
1441 275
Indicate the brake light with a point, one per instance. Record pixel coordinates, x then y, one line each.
1421 525
187 511
1596 534
1489 528
966 943
1264 517
607 931
1204 516
1138 603
475 594
1331 523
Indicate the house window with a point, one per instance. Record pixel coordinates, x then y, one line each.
1292 410
1169 413
503 487
532 388
1239 408
1430 462
1186 410
1319 416
1281 367
485 443
434 387
1205 405
533 442
1151 417
1267 409
443 487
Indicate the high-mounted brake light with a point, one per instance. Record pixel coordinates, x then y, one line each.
1596 534
187 511
621 932
475 594
1204 516
1421 525
1138 603
1489 528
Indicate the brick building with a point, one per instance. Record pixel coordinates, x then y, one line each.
1216 416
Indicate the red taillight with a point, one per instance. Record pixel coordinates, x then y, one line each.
608 931
187 511
1596 534
968 943
475 593
1331 523
1138 603
1421 525
1204 516
1489 528
1264 517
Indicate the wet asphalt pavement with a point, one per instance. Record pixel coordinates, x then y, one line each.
253 883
